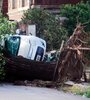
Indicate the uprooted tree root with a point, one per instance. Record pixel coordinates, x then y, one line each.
71 62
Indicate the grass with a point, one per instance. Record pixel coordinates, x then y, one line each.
78 90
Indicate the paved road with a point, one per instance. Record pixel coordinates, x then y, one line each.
10 92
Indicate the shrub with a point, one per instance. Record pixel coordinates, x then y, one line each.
47 26
6 28
76 13
79 90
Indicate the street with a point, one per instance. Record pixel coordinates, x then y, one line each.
12 92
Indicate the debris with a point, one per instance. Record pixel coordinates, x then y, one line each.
38 83
71 62
69 66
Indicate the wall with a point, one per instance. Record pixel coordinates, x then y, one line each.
55 2
5 7
17 12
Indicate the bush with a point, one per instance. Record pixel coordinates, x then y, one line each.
47 26
79 90
76 13
6 28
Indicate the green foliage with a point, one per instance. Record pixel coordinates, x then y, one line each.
76 13
54 36
82 92
79 90
47 26
6 28
37 17
87 93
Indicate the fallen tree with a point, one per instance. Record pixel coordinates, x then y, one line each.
70 64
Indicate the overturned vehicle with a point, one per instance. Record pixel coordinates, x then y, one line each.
24 57
29 47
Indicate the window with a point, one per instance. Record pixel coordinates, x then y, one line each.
23 3
13 4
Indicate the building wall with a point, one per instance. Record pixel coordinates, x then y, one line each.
15 9
16 12
5 7
51 3
52 6
55 2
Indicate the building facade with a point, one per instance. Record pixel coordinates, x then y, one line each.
53 2
4 8
15 8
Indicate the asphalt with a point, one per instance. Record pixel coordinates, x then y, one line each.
12 92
